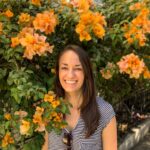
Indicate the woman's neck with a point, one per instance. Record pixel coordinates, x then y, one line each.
75 99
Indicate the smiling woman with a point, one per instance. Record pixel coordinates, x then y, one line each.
71 74
91 119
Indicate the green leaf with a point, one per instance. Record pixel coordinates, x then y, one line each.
2 73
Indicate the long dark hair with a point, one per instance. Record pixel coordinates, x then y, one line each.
89 108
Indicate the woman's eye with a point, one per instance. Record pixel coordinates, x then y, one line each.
78 69
64 68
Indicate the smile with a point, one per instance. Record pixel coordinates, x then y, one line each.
70 81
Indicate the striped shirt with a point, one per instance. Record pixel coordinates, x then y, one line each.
94 142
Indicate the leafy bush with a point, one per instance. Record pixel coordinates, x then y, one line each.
32 33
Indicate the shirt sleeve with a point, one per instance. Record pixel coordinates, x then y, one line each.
106 112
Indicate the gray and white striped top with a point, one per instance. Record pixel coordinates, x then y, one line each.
94 142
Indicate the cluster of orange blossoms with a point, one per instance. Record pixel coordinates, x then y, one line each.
140 26
91 22
132 65
108 71
37 119
7 140
33 42
45 22
51 98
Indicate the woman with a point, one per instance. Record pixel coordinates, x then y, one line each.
91 122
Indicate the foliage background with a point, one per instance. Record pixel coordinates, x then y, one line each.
24 82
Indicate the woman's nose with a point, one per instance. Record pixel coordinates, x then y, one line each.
71 73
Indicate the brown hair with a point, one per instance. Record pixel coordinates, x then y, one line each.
89 108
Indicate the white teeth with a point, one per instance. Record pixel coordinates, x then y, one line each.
70 82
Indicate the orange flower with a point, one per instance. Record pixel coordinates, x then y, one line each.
45 22
146 73
132 65
7 116
106 74
24 31
24 17
48 98
7 140
15 41
39 110
36 2
58 118
1 27
137 6
99 19
8 13
27 40
108 71
99 31
24 127
83 6
85 36
37 118
55 103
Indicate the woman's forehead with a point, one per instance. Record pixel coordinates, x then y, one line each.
70 57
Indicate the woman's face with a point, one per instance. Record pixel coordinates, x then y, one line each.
71 73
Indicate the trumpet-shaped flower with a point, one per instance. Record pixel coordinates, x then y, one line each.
137 6
81 5
15 41
24 127
24 17
8 13
7 116
48 98
37 118
146 73
108 71
7 140
55 103
99 31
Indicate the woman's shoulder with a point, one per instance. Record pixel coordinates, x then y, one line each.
106 111
102 104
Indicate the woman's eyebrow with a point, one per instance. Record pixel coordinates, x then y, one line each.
64 64
78 65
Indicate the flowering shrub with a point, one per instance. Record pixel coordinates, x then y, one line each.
33 32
